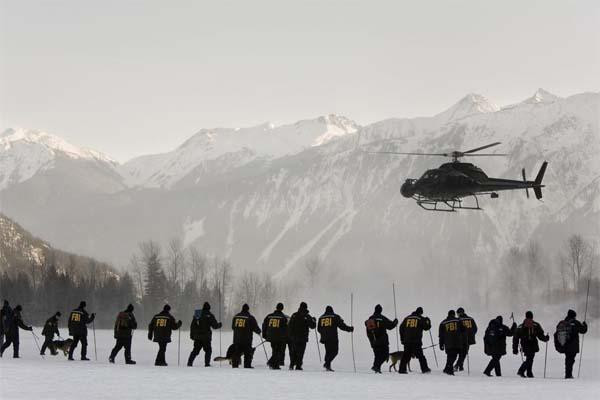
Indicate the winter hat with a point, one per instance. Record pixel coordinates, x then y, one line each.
245 307
571 314
206 306
279 306
460 310
529 315
419 310
58 314
167 308
82 304
129 308
451 313
378 309
6 304
499 318
329 309
303 306
18 307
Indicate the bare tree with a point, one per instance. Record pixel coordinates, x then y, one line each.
313 267
578 253
176 264
197 267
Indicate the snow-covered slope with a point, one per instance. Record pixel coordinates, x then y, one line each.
235 147
24 153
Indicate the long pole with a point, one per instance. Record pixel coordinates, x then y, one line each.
266 356
221 329
433 347
37 344
468 365
545 359
587 298
318 347
95 348
178 345
352 333
396 317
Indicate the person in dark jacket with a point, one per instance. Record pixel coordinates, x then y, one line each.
78 320
495 344
5 316
274 330
328 326
244 325
450 339
467 338
571 347
124 325
377 326
50 329
201 333
12 331
411 336
527 335
298 327
159 330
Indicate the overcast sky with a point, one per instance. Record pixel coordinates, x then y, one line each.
132 77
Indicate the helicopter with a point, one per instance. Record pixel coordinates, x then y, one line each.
445 188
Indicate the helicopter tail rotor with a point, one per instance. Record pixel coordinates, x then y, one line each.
537 189
525 181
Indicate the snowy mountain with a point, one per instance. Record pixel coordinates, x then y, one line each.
231 148
269 198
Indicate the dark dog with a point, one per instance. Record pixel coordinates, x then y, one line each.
63 345
232 355
395 358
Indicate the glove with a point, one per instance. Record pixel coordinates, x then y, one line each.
179 323
395 321
351 329
441 346
259 331
219 325
515 352
546 338
30 328
93 315
584 324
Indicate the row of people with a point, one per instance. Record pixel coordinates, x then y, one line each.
456 334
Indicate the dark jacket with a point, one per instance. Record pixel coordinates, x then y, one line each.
527 336
328 327
5 317
202 325
378 336
14 323
275 327
124 324
494 339
300 323
161 326
78 320
450 334
575 328
469 330
51 327
244 325
411 329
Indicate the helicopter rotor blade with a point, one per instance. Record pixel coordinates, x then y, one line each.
485 155
481 148
409 154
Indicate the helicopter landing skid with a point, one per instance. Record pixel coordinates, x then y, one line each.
449 205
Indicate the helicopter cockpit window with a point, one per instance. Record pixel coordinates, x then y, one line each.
432 174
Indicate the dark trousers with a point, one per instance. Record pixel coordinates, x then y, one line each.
84 343
495 365
569 362
462 355
15 343
381 354
451 355
246 350
198 346
277 354
297 350
160 356
122 343
48 344
331 351
527 365
413 350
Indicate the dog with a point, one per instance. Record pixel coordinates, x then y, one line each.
63 345
395 358
232 355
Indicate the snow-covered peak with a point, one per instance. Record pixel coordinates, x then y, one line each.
14 137
468 105
541 96
266 141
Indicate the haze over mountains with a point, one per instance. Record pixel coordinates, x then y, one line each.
270 197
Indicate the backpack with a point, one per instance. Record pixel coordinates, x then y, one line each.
371 325
122 321
562 336
197 314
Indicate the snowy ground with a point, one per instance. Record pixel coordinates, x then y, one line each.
54 378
